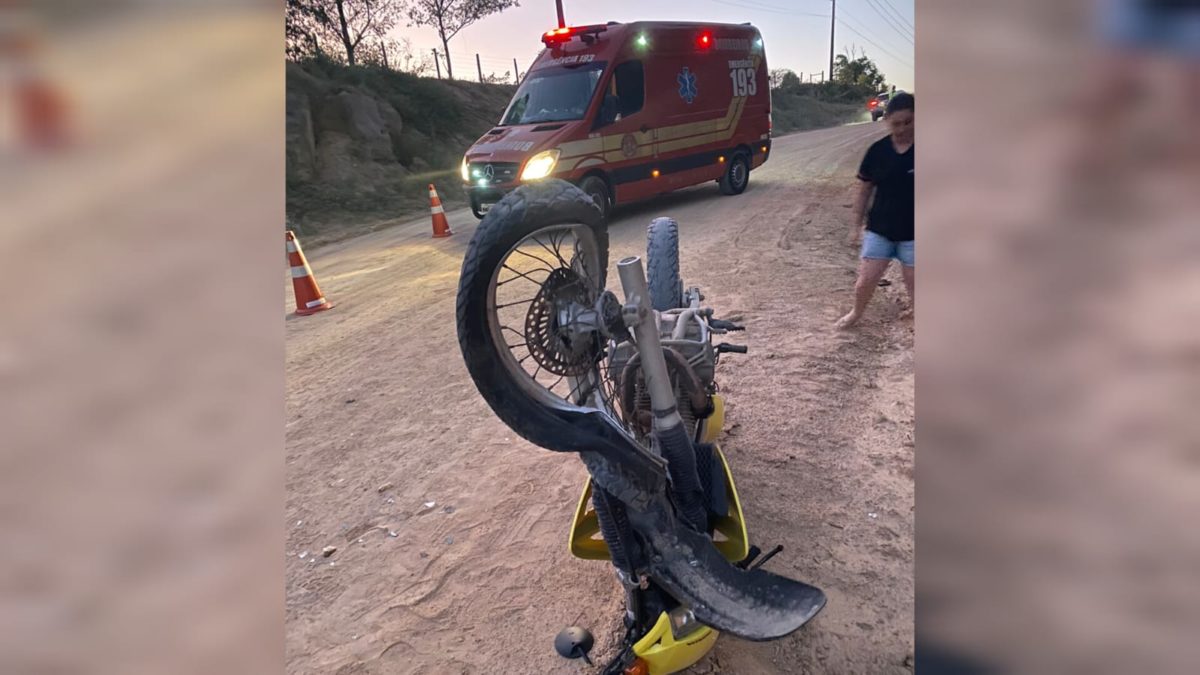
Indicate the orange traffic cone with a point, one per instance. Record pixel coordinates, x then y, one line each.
441 227
42 114
41 108
308 295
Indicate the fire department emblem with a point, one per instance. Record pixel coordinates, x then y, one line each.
629 145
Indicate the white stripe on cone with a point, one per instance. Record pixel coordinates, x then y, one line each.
436 209
301 271
292 248
313 303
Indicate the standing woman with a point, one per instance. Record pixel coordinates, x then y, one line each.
886 171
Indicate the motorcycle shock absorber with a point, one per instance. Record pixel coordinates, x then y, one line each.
667 425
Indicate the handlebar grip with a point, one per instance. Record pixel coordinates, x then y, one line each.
725 347
721 324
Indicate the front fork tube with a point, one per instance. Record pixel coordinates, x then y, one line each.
673 442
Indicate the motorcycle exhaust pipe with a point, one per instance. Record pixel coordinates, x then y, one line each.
667 424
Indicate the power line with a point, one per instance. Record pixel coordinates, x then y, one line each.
900 16
877 45
862 30
762 7
769 8
889 21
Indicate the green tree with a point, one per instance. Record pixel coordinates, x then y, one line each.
862 72
337 28
303 29
449 17
789 80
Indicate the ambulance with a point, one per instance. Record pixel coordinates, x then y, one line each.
630 111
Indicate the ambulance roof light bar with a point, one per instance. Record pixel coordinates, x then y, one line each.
565 33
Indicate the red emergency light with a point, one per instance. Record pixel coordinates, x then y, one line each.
704 40
562 35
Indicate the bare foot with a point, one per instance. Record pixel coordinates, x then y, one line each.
847 321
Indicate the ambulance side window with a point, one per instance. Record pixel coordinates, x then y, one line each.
631 88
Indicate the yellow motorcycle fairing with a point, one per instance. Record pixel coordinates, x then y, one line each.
664 654
711 426
659 648
729 534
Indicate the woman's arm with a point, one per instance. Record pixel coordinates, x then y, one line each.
859 216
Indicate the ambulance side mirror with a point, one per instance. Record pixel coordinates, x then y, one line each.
608 111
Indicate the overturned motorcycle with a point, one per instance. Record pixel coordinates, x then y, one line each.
630 387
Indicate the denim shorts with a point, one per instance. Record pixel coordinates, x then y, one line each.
878 247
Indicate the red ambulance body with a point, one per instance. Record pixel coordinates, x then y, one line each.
630 111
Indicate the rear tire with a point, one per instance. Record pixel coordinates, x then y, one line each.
737 175
597 189
662 264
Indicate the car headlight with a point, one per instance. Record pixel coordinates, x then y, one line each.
466 176
540 165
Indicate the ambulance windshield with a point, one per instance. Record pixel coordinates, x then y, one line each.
554 94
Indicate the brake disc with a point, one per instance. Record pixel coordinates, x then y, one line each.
557 348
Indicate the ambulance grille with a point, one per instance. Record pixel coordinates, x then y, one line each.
502 172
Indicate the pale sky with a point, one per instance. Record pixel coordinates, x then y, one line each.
793 37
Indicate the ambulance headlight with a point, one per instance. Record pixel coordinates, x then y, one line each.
540 165
466 176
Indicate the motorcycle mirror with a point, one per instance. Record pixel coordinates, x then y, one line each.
573 643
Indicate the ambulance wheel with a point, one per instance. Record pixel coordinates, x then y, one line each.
737 175
597 189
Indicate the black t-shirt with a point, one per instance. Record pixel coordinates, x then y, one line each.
891 214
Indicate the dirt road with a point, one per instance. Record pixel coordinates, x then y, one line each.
382 419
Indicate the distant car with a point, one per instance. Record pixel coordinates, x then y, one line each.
877 105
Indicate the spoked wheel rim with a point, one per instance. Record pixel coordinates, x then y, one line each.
547 271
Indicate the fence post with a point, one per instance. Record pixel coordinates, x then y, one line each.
516 73
478 67
437 64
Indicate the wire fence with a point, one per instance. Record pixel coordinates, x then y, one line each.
478 67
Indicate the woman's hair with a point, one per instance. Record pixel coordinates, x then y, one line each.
901 101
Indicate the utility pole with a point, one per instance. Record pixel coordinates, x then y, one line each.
478 67
437 64
561 21
832 24
516 73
